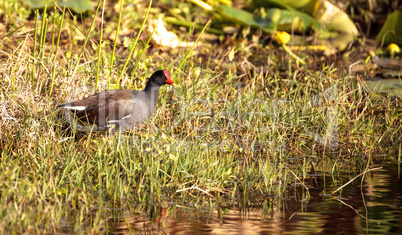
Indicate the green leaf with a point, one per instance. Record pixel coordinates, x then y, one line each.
391 32
79 6
306 6
323 11
387 86
246 18
277 19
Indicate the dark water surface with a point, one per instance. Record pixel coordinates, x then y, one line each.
375 208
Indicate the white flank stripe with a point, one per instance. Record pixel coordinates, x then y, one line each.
127 116
112 121
79 108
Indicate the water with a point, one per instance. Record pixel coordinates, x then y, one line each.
374 208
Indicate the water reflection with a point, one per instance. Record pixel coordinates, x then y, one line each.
374 208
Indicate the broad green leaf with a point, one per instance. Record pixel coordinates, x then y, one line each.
388 86
277 19
246 18
323 11
79 6
391 32
306 6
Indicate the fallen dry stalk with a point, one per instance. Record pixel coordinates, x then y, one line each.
350 181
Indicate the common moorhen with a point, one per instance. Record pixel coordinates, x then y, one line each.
116 110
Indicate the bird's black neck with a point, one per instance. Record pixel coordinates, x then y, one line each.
151 85
152 90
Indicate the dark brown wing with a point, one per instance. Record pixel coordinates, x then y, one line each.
100 98
110 110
